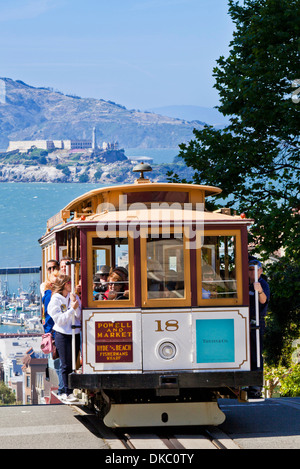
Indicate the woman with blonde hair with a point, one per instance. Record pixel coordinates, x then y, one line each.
62 306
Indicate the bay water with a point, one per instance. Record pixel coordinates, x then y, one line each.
25 209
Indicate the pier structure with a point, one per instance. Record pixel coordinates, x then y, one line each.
19 270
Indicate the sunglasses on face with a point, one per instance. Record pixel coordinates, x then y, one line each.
52 267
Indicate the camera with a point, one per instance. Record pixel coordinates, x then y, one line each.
100 288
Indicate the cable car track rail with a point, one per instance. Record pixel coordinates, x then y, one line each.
206 438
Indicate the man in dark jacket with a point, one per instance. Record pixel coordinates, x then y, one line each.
262 287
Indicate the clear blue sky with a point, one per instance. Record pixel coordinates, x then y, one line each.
138 53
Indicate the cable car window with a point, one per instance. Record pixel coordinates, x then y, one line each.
110 270
218 267
165 268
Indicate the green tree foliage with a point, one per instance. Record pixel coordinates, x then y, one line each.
286 381
290 384
84 177
7 397
255 159
283 322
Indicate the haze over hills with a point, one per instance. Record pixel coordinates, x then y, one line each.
29 113
210 116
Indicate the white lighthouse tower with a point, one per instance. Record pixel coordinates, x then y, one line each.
94 141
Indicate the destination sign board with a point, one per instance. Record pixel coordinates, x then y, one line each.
113 341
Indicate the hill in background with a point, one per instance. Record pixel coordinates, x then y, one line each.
29 113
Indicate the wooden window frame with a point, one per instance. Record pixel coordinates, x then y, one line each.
164 302
239 277
110 303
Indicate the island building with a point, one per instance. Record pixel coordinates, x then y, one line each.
25 145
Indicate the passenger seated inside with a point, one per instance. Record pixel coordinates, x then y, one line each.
117 283
96 287
103 273
208 286
174 284
100 282
155 278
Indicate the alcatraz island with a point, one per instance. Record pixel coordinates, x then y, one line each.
82 161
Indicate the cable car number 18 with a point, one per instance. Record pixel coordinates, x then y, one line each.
171 325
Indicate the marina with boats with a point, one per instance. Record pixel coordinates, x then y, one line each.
20 310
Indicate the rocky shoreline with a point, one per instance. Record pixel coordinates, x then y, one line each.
119 172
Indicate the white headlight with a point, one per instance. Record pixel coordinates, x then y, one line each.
167 350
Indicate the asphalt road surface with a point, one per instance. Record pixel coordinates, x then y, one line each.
45 427
258 424
263 424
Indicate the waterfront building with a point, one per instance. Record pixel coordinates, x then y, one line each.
16 385
34 372
67 144
110 146
25 145
12 367
12 353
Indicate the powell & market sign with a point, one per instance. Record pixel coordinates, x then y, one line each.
113 341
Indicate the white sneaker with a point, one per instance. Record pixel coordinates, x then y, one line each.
71 398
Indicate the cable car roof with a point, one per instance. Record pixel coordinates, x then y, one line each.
150 187
102 205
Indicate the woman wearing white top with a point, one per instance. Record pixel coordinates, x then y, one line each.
62 306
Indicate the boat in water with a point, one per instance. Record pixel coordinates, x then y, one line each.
22 310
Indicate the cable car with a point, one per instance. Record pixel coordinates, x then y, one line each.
173 337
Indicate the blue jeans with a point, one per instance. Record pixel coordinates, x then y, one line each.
63 343
57 367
